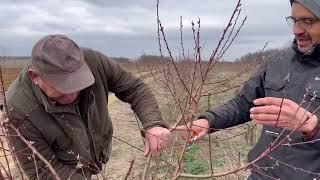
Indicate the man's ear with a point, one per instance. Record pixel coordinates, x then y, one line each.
34 76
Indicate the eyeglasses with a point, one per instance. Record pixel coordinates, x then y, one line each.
305 23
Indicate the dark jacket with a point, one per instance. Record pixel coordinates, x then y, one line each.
289 75
76 138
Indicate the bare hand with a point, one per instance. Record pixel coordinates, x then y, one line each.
200 126
156 139
291 115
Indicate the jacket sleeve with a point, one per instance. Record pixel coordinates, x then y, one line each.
236 110
34 167
133 90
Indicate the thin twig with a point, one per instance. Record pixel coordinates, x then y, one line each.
52 170
145 171
129 170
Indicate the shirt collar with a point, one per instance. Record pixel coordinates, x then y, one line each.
51 106
312 58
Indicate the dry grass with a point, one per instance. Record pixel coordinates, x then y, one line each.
9 75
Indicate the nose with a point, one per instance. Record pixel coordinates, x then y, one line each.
297 30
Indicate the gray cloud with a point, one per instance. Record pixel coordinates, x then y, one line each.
128 27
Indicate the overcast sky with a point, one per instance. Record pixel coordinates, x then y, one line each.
127 28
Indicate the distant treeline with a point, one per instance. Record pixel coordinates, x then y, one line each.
155 58
118 59
17 57
141 59
259 54
122 59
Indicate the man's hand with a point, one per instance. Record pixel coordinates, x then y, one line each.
156 139
291 116
200 126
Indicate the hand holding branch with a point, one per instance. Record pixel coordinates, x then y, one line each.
282 113
156 139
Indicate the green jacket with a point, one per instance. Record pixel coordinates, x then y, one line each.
75 138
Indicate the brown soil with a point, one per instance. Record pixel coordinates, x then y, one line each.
126 129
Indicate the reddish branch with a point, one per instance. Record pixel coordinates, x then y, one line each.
129 170
47 163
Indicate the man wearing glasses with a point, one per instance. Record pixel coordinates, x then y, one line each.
284 97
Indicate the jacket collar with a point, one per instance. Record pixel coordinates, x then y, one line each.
51 106
313 57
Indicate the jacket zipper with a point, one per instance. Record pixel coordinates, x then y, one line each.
92 149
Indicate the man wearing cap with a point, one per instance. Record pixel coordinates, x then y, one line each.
59 104
283 96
